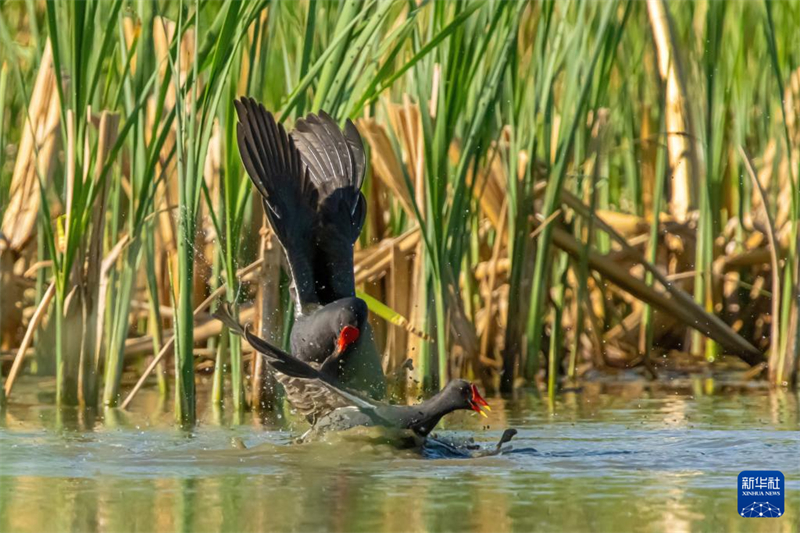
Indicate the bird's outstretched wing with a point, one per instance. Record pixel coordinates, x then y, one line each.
336 164
275 167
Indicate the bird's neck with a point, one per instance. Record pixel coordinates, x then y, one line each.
432 412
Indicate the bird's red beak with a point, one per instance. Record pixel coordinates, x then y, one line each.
477 402
347 336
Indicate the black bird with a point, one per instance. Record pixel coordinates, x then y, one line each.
339 408
310 181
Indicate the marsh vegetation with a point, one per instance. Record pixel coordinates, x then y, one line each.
554 189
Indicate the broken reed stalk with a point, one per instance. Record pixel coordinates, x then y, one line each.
36 319
710 325
717 329
269 319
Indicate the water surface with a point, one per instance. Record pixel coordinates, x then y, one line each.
609 457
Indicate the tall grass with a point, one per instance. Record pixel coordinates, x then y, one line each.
519 162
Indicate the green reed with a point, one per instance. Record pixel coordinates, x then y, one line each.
555 184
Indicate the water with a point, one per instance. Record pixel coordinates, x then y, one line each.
611 457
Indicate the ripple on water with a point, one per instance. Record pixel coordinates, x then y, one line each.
591 462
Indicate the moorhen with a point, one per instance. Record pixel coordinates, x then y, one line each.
310 183
339 408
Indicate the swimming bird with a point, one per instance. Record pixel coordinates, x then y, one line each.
340 408
310 183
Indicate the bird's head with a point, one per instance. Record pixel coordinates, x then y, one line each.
350 323
464 395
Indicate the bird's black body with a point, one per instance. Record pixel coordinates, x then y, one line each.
338 408
310 182
314 339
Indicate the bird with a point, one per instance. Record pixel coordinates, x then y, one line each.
310 183
339 408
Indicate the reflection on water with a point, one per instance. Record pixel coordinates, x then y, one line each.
633 457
